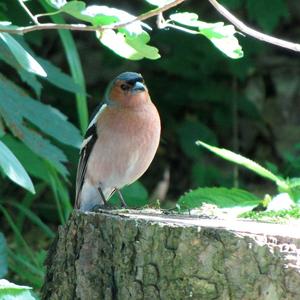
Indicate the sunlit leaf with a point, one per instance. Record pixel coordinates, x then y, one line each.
159 2
33 164
222 36
22 56
117 43
219 196
7 25
13 168
243 161
129 41
57 4
11 291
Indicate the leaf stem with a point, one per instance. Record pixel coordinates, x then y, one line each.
32 17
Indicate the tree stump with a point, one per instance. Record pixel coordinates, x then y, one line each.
126 255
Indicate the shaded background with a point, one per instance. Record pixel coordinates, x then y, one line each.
250 105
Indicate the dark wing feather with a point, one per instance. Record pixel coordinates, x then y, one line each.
88 144
89 140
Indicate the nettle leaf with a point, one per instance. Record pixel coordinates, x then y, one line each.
159 2
3 256
13 169
57 4
11 291
22 56
129 41
245 162
219 196
222 36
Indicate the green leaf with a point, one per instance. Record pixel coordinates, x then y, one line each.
133 49
22 56
7 25
76 70
33 164
221 36
219 196
57 4
47 118
3 256
245 162
159 2
18 107
27 77
58 78
129 42
13 169
11 291
293 188
135 195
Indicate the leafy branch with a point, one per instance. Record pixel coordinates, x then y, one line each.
155 12
83 27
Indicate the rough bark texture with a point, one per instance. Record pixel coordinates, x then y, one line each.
123 256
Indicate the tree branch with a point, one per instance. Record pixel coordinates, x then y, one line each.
82 27
251 32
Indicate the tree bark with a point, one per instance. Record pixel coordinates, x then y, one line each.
126 255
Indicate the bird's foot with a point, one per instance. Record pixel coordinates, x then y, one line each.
105 206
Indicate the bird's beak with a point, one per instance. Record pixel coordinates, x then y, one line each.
138 86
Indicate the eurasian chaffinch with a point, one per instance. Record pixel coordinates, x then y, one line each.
120 142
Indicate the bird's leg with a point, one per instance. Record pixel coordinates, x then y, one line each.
102 196
123 203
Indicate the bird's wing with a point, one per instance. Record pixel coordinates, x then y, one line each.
86 149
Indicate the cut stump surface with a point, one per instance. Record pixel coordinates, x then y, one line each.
134 255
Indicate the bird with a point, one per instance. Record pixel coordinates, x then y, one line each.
119 144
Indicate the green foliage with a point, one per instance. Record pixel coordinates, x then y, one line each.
130 41
13 169
221 36
245 162
219 196
22 56
290 186
273 216
11 291
3 256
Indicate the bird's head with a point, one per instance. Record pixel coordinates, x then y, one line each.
127 89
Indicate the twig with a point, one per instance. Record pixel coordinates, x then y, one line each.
82 27
254 33
32 17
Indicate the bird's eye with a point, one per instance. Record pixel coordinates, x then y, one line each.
125 87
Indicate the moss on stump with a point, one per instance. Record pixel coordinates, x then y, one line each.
118 255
